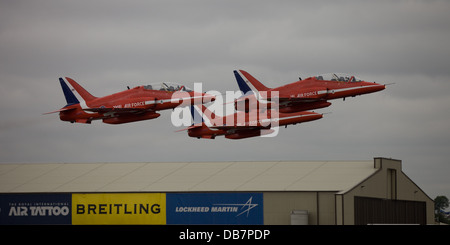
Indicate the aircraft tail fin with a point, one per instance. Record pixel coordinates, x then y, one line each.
207 117
247 82
78 90
202 115
197 117
71 99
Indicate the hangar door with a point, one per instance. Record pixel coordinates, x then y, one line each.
385 211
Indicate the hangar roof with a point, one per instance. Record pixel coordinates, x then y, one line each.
183 176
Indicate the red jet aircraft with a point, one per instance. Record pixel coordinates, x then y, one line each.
137 104
309 94
241 124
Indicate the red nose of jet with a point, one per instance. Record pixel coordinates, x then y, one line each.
372 87
379 87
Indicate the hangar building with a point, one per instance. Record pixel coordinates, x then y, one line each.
272 193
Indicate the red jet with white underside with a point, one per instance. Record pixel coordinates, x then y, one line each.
240 125
137 104
308 94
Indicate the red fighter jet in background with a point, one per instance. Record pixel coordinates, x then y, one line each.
308 94
137 104
240 125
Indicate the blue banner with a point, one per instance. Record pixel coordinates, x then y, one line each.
214 208
35 209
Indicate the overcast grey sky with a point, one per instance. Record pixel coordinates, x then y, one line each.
108 45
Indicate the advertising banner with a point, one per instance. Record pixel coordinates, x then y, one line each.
119 208
215 208
35 209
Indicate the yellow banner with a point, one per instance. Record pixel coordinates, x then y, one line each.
119 208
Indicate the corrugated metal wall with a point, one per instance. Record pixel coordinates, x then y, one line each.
386 211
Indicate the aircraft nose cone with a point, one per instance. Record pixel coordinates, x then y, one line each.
374 87
369 87
380 87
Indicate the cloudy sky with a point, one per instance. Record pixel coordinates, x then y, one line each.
108 45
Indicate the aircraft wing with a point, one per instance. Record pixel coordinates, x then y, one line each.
190 127
222 127
295 100
237 128
60 110
304 96
116 110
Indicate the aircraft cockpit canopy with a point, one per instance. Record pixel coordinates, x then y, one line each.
340 77
170 87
